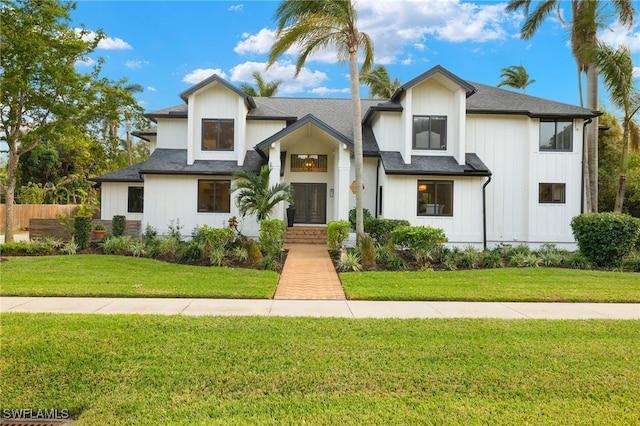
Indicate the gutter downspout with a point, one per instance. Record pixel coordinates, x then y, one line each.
484 213
377 188
584 160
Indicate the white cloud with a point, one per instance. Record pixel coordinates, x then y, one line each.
256 43
636 72
135 64
236 8
618 34
324 91
199 74
107 43
306 80
151 88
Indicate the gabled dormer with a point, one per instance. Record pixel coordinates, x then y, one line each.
433 117
216 121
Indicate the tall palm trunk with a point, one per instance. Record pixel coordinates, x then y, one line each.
592 137
357 138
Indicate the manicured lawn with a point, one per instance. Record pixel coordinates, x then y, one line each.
142 370
508 284
121 276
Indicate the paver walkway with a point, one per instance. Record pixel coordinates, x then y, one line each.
309 274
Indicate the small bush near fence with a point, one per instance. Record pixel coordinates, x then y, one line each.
82 231
605 238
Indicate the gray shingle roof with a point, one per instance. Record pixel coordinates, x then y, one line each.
433 165
127 174
174 162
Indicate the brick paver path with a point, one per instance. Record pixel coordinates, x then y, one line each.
308 273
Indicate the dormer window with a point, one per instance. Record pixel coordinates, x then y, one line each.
430 132
217 134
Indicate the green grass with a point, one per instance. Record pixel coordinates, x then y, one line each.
508 284
142 370
121 276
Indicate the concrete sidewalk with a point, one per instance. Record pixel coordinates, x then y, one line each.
321 308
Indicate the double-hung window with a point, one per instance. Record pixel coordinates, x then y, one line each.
430 132
556 135
435 198
214 196
217 134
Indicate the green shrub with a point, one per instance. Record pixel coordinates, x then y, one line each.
82 231
138 248
605 238
193 250
380 229
270 263
337 234
241 254
471 258
118 225
386 255
166 247
70 247
25 248
423 238
352 217
213 238
272 237
216 255
491 259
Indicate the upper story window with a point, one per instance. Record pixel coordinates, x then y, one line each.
430 132
308 163
435 198
214 196
553 193
217 134
556 135
135 200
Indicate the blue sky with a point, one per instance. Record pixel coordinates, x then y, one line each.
167 46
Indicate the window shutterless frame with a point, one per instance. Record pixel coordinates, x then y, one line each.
435 198
214 196
217 134
556 135
135 199
551 193
430 132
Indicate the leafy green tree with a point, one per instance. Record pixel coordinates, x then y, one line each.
255 196
616 68
379 82
265 89
515 76
41 92
314 25
587 17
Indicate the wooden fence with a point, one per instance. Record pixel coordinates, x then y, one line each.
22 213
57 228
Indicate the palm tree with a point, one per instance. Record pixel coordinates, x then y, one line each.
255 196
616 68
515 76
318 24
265 89
587 17
379 82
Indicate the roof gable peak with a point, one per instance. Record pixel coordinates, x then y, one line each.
437 70
216 79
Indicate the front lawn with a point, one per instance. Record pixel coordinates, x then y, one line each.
122 276
505 284
142 370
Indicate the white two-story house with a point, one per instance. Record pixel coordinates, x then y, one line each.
486 165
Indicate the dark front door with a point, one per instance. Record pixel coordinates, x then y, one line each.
310 201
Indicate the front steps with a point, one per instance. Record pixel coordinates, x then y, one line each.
306 235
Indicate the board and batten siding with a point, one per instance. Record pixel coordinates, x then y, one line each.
172 197
259 130
509 146
172 133
114 200
390 134
400 201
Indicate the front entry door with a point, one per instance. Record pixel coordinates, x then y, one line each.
310 202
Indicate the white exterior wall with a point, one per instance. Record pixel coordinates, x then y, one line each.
370 170
400 201
170 197
509 146
114 200
172 133
259 130
390 134
215 102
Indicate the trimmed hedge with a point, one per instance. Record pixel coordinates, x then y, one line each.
605 238
118 225
82 231
337 234
272 237
423 238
